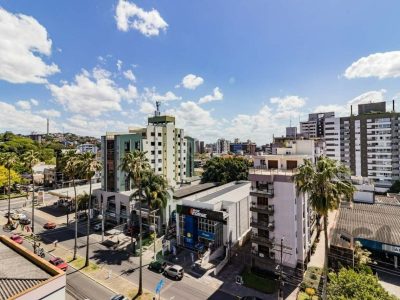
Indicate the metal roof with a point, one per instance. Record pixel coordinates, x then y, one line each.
376 222
187 191
10 287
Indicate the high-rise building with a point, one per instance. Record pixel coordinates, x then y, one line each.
222 146
368 143
291 132
279 211
165 145
202 147
243 147
314 127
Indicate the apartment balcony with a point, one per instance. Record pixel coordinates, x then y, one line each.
262 240
265 209
262 192
262 224
270 255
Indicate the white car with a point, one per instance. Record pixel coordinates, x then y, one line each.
174 271
18 216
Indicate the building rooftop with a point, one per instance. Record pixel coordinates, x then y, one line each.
377 222
216 192
21 270
265 171
190 190
391 199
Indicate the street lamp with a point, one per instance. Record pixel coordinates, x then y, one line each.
101 218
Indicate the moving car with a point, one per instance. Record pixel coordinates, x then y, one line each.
59 263
17 238
49 225
25 221
157 266
174 271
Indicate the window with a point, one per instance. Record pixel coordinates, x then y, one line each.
159 169
152 143
127 146
137 145
153 152
153 161
152 133
160 160
159 143
159 151
159 134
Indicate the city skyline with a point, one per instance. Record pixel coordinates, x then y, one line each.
224 71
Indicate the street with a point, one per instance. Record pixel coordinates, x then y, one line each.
115 260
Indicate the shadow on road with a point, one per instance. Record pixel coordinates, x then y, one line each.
110 256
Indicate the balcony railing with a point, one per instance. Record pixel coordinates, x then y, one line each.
262 240
262 191
269 209
262 224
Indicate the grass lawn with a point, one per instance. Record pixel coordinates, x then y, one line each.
13 195
79 262
256 282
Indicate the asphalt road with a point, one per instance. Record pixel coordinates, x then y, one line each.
118 262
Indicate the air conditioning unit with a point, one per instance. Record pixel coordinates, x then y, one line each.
261 254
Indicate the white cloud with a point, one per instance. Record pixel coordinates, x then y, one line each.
128 74
288 102
381 65
130 16
191 81
344 110
34 102
168 96
119 64
23 42
216 96
20 121
147 108
92 94
50 113
25 105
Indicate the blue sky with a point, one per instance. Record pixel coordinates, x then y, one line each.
249 66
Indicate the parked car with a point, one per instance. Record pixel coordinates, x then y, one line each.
118 297
250 298
17 238
59 263
49 225
174 271
18 216
82 216
97 227
25 221
157 266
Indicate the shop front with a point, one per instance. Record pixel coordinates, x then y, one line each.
200 229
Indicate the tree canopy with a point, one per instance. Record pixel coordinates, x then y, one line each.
395 188
226 169
15 178
348 284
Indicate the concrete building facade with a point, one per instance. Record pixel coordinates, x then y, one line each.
314 127
368 143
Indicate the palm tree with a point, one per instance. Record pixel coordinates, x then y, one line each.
155 190
71 169
135 164
30 159
327 182
89 165
9 160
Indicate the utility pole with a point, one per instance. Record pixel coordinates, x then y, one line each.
102 220
280 293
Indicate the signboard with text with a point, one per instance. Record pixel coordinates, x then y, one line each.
201 213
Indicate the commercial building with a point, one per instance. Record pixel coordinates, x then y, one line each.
213 217
25 276
243 147
368 143
279 212
375 226
314 127
291 132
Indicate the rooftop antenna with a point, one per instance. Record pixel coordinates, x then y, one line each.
157 112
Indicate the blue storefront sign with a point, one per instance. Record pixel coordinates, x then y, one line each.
205 234
190 231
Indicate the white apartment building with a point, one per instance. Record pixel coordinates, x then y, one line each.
278 212
87 148
314 126
367 143
222 146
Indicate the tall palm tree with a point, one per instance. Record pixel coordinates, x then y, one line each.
31 159
71 169
9 161
89 165
155 190
326 183
135 164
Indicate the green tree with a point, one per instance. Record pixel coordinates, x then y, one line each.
155 190
71 168
31 159
326 183
89 165
9 161
395 188
135 164
348 284
224 170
